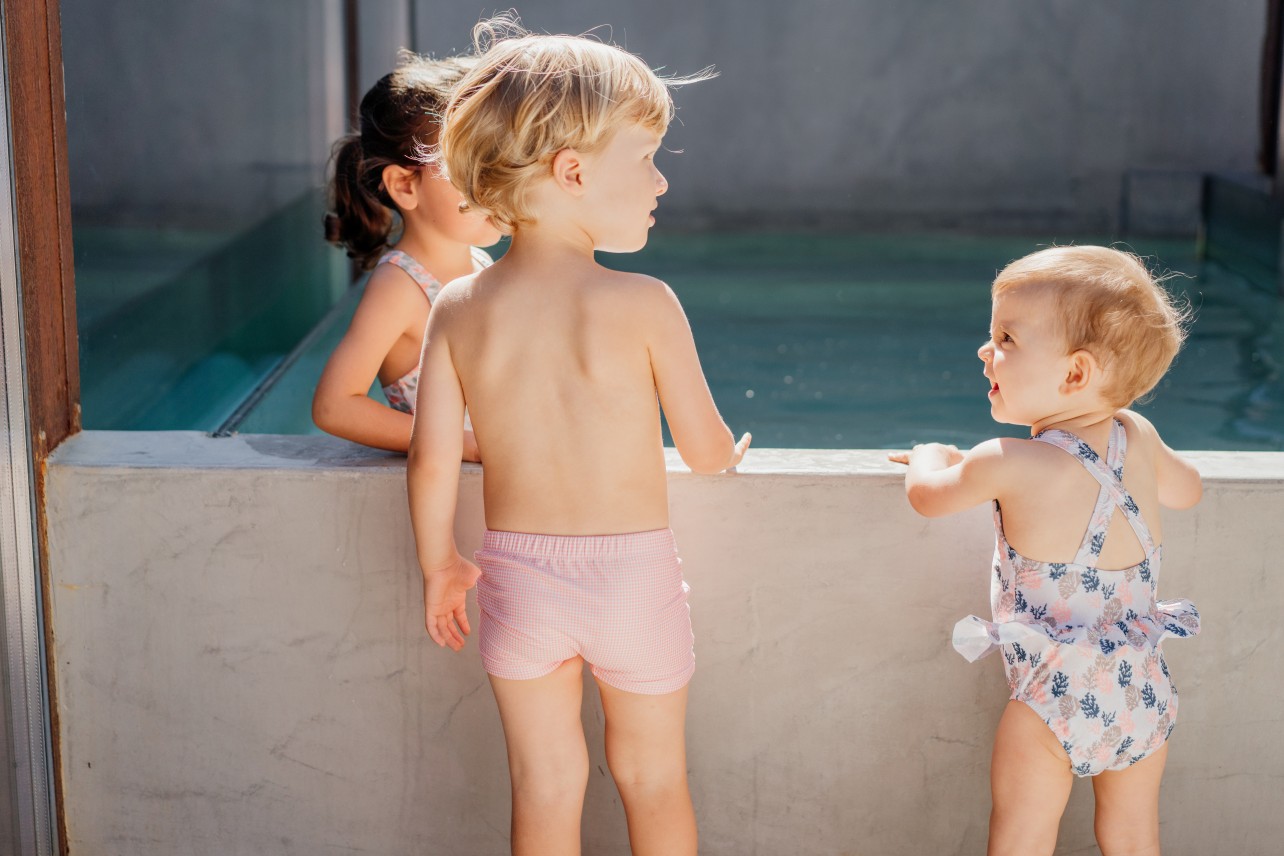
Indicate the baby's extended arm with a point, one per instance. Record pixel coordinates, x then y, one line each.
703 439
432 480
942 480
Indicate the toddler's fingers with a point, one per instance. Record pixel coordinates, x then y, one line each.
431 624
898 457
461 618
447 629
738 453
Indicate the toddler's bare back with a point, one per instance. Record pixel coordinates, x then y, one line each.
558 380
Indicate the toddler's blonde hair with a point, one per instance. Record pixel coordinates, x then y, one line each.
1109 305
529 97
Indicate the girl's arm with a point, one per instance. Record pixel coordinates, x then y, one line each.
1178 480
942 480
341 404
703 439
432 480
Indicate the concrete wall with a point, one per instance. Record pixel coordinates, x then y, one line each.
985 114
976 114
198 115
241 666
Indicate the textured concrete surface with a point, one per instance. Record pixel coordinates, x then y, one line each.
241 666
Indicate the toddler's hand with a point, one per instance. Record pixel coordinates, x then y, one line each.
445 596
738 454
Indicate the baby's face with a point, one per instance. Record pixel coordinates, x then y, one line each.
1025 357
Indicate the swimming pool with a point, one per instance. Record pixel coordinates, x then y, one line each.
839 341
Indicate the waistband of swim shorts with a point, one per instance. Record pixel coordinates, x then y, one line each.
657 543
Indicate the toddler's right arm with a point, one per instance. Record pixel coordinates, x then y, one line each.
703 439
1178 480
432 482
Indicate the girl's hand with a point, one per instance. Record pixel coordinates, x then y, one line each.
471 453
445 596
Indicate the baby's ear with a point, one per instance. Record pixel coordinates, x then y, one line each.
568 171
402 186
1082 372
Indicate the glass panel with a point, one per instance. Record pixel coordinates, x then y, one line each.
197 137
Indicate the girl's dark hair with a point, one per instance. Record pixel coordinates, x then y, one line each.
398 116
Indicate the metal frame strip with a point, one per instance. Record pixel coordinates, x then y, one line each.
24 685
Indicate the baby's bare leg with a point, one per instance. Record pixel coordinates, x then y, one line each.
646 750
1030 781
1127 821
547 759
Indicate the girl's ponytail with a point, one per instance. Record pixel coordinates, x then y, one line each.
360 217
398 116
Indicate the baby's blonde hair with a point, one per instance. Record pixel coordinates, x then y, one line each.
529 97
1109 305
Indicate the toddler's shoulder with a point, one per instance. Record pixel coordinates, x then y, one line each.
454 295
1006 449
637 285
644 295
1138 427
1004 456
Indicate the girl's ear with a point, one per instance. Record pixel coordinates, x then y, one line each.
402 185
1082 371
568 171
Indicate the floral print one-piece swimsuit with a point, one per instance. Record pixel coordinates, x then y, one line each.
403 393
1081 646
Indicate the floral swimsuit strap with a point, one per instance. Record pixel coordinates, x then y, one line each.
1109 474
417 272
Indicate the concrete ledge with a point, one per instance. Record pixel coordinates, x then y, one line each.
242 668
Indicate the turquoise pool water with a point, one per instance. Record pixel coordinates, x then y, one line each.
870 341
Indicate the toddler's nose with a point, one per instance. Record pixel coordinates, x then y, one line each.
985 351
661 183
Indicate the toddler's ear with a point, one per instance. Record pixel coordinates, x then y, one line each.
402 185
1082 372
568 171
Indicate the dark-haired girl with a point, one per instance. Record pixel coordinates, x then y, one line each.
404 220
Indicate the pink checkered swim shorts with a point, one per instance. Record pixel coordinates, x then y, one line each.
618 601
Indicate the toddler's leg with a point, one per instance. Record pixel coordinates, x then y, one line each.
547 759
1030 781
646 750
1128 807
